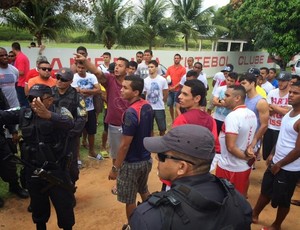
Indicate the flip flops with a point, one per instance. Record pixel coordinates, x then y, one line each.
114 190
98 157
295 202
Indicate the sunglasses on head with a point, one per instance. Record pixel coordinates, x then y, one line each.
59 78
163 156
45 68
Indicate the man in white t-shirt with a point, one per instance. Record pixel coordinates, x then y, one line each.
142 69
106 61
235 137
266 85
201 75
156 90
283 172
87 85
278 107
217 80
218 100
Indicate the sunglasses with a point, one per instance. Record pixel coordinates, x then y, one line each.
59 78
162 158
44 69
3 55
11 55
31 98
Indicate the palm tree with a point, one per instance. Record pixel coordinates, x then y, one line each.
190 20
151 22
41 19
110 19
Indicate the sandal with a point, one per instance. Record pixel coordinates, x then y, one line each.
114 190
98 157
295 202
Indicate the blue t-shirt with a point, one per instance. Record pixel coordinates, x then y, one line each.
138 122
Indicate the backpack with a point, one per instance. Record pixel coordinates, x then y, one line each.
183 207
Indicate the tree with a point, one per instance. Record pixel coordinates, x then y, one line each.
190 20
272 25
110 19
150 21
41 18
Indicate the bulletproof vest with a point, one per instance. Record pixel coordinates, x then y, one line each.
41 141
67 100
183 207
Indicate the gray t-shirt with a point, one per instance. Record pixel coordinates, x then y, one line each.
8 78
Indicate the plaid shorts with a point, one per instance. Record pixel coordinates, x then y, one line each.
132 179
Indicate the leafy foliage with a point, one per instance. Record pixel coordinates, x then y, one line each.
42 18
110 19
268 24
191 20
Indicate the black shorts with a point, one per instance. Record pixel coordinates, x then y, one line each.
91 124
280 187
269 141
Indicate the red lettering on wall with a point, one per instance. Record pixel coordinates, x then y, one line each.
261 59
206 62
56 62
214 61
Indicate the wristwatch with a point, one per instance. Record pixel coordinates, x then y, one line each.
115 169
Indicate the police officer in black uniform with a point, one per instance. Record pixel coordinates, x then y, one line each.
66 96
197 199
8 169
44 132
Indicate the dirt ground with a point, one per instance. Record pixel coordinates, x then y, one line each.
97 208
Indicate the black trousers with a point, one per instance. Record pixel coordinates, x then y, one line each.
8 169
61 199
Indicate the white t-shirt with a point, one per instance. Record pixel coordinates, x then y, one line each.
267 86
274 98
221 112
103 68
8 79
87 82
154 91
242 122
286 142
219 77
201 77
143 72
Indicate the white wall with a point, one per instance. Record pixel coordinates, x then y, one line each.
212 61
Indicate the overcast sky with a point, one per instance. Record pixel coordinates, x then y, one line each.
218 3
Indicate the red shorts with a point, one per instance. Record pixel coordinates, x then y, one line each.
240 180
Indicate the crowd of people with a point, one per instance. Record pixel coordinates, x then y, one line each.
48 115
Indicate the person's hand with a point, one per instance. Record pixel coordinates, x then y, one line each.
112 175
249 152
275 168
79 57
40 109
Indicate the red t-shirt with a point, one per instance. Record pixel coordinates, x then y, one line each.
198 117
22 64
176 73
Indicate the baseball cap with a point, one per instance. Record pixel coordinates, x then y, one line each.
111 67
193 140
65 73
284 76
226 69
39 90
254 71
